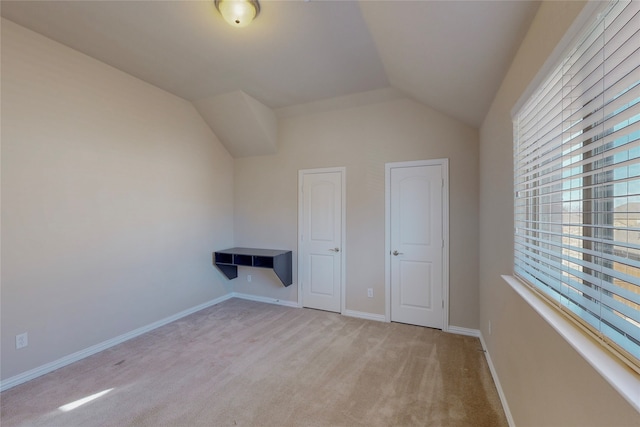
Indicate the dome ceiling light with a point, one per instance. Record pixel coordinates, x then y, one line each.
238 13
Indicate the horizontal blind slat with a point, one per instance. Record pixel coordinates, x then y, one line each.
577 181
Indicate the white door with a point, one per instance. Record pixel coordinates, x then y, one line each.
416 244
321 222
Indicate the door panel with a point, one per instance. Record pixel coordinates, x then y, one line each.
321 275
414 193
415 296
416 239
321 240
321 211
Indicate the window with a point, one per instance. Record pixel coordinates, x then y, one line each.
577 182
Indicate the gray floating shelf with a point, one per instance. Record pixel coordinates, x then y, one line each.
228 261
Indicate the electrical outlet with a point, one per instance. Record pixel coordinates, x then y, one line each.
370 292
22 340
248 278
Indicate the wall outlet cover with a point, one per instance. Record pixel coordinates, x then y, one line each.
22 340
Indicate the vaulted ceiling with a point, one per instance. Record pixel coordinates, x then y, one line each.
449 55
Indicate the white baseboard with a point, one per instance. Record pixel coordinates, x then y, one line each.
286 303
496 380
364 315
463 331
74 357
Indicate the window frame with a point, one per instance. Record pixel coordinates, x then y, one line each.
590 15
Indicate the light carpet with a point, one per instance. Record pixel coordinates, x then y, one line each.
244 363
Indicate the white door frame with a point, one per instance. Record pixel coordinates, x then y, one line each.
301 174
444 163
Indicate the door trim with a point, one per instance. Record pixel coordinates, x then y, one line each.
301 174
444 163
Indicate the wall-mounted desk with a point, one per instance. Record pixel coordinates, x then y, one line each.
228 261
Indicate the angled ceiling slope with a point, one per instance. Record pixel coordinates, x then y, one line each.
245 126
449 55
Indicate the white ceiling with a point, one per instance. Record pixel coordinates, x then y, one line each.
449 55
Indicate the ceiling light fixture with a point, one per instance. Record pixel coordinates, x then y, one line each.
238 13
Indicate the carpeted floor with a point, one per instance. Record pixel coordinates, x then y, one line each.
243 363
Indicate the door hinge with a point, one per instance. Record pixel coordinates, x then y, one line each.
442 303
442 182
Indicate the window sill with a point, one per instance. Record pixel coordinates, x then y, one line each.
615 372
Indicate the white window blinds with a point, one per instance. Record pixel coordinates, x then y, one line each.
577 181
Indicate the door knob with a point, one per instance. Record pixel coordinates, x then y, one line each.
335 250
396 253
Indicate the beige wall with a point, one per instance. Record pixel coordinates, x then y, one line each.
362 139
114 194
545 381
